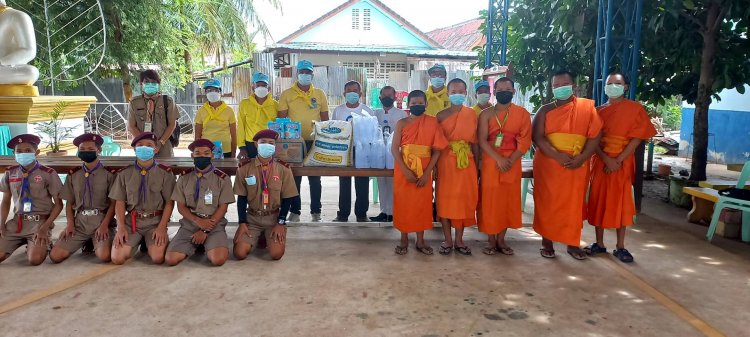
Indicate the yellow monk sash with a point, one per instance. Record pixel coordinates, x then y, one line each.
214 114
413 154
462 150
567 142
614 144
305 95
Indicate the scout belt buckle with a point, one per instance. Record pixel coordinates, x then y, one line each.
202 215
263 213
29 217
144 215
90 212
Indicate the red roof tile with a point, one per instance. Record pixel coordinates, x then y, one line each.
462 36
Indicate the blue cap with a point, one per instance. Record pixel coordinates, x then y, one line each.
436 66
480 84
304 64
260 77
212 83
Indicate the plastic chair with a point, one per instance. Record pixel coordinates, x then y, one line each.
738 204
110 148
525 183
4 139
375 192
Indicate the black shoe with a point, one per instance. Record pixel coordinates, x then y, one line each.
262 244
88 247
380 218
144 248
390 218
362 219
341 219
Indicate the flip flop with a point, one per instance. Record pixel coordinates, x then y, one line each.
594 249
443 250
548 253
426 250
402 250
465 250
623 255
577 253
489 251
506 250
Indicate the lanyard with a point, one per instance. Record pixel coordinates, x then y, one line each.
87 184
200 175
265 172
505 119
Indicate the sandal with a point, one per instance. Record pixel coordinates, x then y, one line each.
506 250
465 250
548 253
426 250
489 250
594 249
623 254
402 250
577 253
445 250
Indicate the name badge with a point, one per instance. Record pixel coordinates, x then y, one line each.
208 198
251 181
26 205
148 127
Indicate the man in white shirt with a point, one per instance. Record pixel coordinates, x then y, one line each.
388 116
352 93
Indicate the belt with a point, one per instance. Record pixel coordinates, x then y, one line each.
263 213
142 215
201 215
29 217
90 212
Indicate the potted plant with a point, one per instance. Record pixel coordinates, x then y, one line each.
52 130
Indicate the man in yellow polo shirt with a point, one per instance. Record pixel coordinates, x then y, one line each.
305 104
254 114
215 120
482 89
437 92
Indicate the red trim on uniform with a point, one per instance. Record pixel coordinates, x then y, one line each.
132 221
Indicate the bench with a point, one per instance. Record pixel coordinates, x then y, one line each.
704 199
719 184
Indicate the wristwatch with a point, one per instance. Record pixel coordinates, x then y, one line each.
282 222
162 141
205 231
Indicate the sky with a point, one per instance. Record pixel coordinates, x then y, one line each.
426 15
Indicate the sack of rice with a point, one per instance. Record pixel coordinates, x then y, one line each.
332 145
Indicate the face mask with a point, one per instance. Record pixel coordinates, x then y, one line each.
437 82
304 79
213 96
25 159
483 98
202 162
387 101
614 90
87 156
150 88
266 150
417 110
144 153
352 97
563 93
504 97
457 99
261 91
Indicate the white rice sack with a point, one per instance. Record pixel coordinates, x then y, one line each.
332 145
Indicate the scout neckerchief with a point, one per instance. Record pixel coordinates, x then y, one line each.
142 188
25 194
87 184
200 175
266 109
151 105
266 171
499 137
306 96
436 95
214 113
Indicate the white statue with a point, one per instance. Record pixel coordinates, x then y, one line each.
17 47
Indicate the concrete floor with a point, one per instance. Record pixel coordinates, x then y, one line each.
346 281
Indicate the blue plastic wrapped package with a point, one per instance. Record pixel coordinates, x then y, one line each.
278 127
218 151
293 130
361 155
377 154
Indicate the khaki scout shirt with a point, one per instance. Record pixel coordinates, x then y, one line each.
100 180
280 184
137 112
215 181
159 185
44 184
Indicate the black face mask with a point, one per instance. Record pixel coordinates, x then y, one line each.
387 102
87 156
417 110
202 162
504 97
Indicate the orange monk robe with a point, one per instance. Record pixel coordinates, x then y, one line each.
559 193
457 192
500 208
412 205
611 202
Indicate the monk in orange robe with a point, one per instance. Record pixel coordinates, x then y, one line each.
611 205
457 192
417 143
504 136
566 132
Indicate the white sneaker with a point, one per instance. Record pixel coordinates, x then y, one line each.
315 217
293 217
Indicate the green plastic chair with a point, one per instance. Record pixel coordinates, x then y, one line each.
525 182
375 192
738 204
4 139
110 148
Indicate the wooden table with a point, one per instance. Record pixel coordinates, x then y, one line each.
184 164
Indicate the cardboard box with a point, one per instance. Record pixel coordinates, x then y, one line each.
292 151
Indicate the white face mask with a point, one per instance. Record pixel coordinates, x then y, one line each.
261 91
213 96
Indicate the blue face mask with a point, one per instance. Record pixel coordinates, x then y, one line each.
304 79
266 150
437 82
352 97
457 99
144 153
150 88
25 159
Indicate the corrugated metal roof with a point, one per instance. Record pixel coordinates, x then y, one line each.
462 36
324 47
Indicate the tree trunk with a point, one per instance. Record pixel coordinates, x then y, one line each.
713 21
113 14
125 76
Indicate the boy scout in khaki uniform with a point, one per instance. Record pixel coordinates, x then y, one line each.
265 188
88 208
35 191
149 113
144 190
202 197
